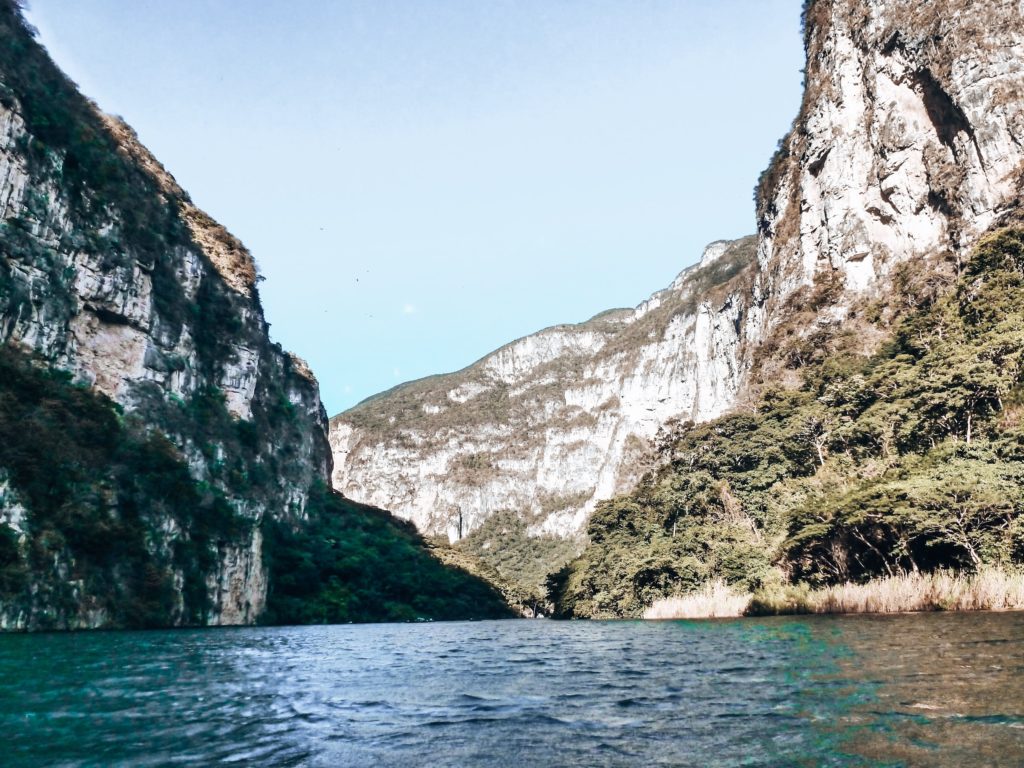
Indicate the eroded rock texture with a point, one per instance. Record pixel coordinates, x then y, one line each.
556 421
108 271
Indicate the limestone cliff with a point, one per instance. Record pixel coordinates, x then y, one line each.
908 141
554 422
109 272
907 146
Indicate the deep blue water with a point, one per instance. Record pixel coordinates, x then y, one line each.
931 689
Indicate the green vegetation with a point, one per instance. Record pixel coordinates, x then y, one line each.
122 519
911 459
70 146
353 563
20 246
121 216
97 486
521 561
236 452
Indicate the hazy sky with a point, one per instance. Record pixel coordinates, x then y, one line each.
423 181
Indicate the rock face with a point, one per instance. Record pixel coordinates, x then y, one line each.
108 271
552 423
908 142
908 145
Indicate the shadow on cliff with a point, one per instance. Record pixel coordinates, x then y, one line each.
351 562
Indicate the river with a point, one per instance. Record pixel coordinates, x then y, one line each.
926 689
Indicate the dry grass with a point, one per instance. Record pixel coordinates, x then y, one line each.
991 589
713 600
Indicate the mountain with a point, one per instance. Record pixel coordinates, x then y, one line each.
906 145
552 422
160 458
906 151
909 459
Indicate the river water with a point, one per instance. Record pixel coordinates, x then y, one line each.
929 689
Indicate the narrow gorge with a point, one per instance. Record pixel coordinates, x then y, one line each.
906 151
835 398
771 515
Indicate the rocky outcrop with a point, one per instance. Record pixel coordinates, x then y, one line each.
907 147
554 422
108 271
908 142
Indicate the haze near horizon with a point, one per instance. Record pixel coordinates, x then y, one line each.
421 185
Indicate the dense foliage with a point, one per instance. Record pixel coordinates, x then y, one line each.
910 459
521 561
95 485
354 563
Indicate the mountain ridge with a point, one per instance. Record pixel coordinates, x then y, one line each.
603 315
516 374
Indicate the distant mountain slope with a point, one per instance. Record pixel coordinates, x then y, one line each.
152 433
553 422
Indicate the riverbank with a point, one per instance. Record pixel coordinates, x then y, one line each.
990 589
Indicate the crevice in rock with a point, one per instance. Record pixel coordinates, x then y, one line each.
939 203
108 316
890 45
946 116
881 215
814 168
887 195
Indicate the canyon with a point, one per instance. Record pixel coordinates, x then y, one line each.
164 462
907 145
153 434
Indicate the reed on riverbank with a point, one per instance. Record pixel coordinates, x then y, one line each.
990 589
714 600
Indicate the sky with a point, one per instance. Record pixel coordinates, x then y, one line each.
420 181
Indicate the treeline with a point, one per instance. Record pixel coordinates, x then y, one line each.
911 459
349 562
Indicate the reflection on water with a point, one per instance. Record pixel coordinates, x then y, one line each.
948 689
936 689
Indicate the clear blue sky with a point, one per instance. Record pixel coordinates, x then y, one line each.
423 181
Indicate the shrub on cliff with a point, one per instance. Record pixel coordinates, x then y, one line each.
94 484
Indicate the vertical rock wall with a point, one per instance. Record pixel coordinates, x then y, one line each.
108 271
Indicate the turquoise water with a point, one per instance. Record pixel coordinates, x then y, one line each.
934 689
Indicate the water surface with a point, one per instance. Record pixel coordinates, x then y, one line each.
930 689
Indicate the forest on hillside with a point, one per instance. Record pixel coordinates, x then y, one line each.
910 459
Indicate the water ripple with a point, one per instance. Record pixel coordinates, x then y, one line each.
942 690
